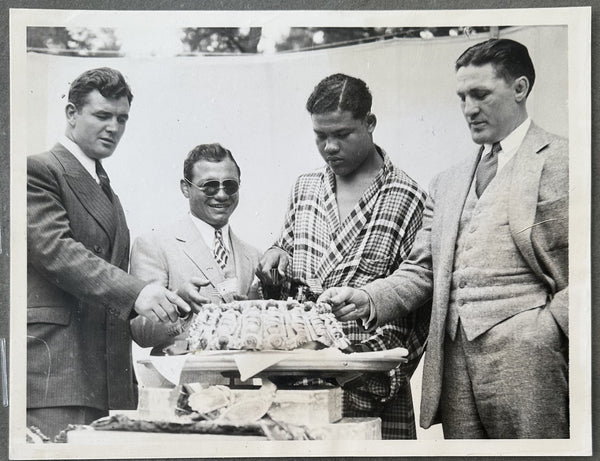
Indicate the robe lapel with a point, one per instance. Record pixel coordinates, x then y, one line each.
524 191
88 191
345 234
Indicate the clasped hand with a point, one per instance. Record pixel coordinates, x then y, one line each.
161 305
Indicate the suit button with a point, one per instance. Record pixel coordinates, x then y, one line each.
97 248
461 302
473 229
462 284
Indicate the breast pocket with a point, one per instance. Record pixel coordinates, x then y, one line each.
373 267
51 315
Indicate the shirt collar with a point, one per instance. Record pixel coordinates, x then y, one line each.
88 163
207 232
510 144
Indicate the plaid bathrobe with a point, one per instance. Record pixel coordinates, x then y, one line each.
371 243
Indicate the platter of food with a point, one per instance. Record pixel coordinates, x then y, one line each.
265 325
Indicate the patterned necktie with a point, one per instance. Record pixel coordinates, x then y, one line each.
104 181
487 168
220 251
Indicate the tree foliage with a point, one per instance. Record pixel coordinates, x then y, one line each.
221 40
78 40
230 40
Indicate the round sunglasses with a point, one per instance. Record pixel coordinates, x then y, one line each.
212 188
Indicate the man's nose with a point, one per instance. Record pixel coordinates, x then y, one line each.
112 125
331 146
221 195
470 107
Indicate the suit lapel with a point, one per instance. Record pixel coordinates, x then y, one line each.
524 188
120 254
452 199
243 265
87 190
198 251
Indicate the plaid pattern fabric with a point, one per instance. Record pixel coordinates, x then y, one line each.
371 243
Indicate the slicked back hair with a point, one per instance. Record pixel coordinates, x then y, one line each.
210 153
510 59
110 83
340 92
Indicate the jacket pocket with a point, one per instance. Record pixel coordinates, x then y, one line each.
55 315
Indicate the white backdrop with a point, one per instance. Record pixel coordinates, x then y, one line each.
254 105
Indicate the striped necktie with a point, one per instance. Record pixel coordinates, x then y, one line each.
220 252
104 181
487 168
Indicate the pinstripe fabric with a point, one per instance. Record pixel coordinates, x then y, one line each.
79 295
369 244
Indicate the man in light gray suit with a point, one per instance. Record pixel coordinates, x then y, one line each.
198 256
493 257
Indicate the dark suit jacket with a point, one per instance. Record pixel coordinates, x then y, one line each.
79 295
538 221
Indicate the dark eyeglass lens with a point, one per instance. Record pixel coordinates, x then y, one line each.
230 187
212 187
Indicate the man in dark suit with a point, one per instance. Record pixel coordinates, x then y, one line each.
80 297
493 257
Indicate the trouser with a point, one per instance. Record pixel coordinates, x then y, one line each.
52 420
397 414
510 382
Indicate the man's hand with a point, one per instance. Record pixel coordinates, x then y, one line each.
158 304
347 303
189 291
274 258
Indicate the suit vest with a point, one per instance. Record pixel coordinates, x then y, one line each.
491 281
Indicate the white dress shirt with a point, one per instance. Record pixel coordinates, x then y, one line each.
88 163
207 232
509 145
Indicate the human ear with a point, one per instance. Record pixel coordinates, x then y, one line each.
521 87
185 188
371 122
70 111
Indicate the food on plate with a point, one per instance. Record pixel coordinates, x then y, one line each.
265 325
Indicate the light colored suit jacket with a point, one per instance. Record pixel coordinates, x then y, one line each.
538 221
175 254
79 295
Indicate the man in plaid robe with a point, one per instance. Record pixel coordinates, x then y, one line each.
350 223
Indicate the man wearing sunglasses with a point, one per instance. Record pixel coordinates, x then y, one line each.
350 223
198 256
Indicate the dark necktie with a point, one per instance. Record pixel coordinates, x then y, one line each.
104 181
487 168
220 251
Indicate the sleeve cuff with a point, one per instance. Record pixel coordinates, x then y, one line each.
369 321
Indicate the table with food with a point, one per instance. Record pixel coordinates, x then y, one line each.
250 370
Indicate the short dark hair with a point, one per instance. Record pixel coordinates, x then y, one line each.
209 152
340 92
109 82
510 59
